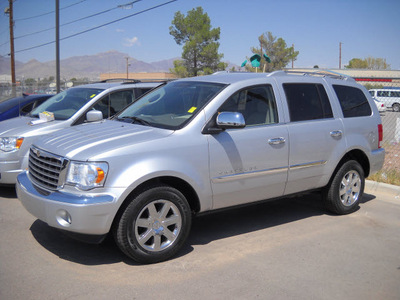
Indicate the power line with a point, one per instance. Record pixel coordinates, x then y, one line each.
74 21
97 27
50 12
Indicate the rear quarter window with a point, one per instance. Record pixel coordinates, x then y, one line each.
352 101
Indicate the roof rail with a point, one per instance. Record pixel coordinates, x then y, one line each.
124 80
329 74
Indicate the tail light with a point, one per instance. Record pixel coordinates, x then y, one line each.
380 135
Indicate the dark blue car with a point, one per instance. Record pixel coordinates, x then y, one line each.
20 106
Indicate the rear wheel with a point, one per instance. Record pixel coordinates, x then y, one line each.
396 107
154 225
346 190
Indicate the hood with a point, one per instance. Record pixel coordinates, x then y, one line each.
21 126
87 141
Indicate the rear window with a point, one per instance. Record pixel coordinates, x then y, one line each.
352 101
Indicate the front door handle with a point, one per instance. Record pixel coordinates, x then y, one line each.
336 133
276 141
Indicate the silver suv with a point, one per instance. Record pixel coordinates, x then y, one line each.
201 144
69 108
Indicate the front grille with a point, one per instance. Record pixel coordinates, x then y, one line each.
45 169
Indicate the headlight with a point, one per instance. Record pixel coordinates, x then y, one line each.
8 144
86 175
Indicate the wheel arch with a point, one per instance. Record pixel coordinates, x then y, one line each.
357 155
181 185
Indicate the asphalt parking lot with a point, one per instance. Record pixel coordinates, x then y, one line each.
287 249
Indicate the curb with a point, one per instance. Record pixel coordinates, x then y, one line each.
374 186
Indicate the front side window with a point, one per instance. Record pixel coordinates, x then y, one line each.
307 101
352 101
65 104
171 106
256 104
114 102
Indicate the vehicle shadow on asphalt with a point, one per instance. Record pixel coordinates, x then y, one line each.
8 192
205 229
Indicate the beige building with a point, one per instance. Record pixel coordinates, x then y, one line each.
390 78
158 76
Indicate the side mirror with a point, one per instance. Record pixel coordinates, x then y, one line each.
94 116
226 120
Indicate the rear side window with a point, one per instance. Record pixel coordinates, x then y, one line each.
352 101
307 102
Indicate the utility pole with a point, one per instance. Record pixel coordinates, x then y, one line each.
58 46
340 55
127 65
12 53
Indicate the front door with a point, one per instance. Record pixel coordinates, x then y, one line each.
249 164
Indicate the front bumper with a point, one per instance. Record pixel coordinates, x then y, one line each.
90 214
9 171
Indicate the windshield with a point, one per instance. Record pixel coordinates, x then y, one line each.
172 105
66 103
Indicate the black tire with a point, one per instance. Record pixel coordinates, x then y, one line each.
344 193
396 107
154 225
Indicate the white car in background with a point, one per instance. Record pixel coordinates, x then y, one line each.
380 105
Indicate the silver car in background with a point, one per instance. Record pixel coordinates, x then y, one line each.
68 108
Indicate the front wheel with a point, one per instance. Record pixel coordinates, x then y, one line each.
346 189
154 225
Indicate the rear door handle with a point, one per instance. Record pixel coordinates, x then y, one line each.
336 133
276 141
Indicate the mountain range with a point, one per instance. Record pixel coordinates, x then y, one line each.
87 66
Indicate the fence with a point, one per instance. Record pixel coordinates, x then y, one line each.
35 88
390 172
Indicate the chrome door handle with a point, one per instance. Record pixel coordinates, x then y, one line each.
276 141
336 133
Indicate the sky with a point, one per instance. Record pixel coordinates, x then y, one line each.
315 28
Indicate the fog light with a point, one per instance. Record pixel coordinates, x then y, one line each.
63 218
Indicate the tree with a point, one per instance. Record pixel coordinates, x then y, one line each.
199 40
277 51
357 63
370 63
179 69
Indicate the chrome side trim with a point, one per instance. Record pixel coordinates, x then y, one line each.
307 165
246 175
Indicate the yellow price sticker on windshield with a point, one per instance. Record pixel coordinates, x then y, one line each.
92 95
192 109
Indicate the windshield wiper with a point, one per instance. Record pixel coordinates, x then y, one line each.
135 120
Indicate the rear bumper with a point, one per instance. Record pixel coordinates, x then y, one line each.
377 160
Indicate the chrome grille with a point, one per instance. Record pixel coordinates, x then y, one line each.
45 169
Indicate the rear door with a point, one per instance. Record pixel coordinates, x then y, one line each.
316 137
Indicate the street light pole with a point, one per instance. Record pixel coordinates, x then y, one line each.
340 55
58 46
